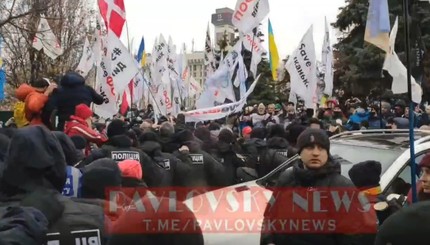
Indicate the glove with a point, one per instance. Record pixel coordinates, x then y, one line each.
46 202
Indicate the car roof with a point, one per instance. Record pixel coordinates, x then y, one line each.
390 140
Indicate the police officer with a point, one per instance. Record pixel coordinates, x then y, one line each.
205 170
35 161
119 148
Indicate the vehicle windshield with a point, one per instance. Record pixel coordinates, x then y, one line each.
358 154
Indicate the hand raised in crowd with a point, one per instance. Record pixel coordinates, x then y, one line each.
50 89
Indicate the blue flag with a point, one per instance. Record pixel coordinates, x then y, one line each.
378 24
141 54
2 73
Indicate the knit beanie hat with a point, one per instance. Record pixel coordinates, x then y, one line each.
366 174
116 127
83 111
246 130
311 137
131 169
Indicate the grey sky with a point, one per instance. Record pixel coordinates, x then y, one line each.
185 20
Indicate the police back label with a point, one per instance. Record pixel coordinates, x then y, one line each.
84 237
165 164
125 155
197 159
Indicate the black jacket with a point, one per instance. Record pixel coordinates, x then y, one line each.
327 176
119 148
36 161
205 171
226 155
72 92
172 168
22 225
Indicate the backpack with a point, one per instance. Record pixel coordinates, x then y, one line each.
19 114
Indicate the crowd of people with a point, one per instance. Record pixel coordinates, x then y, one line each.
57 158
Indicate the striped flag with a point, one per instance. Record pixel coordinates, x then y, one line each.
273 53
141 53
378 25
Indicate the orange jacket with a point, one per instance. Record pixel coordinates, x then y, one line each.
34 103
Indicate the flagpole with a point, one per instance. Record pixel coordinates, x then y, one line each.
411 106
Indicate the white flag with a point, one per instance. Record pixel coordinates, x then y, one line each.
249 13
87 60
123 66
46 39
138 89
253 43
398 71
327 62
302 68
105 88
220 111
209 55
219 87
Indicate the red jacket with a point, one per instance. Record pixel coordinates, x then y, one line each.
78 126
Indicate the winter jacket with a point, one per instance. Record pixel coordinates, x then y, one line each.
226 155
119 148
22 225
34 103
205 171
377 122
355 120
78 126
327 176
36 160
252 149
72 92
172 168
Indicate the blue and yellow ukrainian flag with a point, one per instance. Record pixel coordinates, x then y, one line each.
2 73
273 53
378 24
141 54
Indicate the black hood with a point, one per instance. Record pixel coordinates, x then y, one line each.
151 147
308 176
72 79
193 146
277 143
35 158
255 141
98 176
69 149
120 141
224 147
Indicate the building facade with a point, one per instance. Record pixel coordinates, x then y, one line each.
221 20
196 63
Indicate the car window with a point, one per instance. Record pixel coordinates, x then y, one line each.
401 184
357 154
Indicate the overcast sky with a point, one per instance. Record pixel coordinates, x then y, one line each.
186 20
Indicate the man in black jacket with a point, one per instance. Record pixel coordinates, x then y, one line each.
35 161
72 92
315 168
119 148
